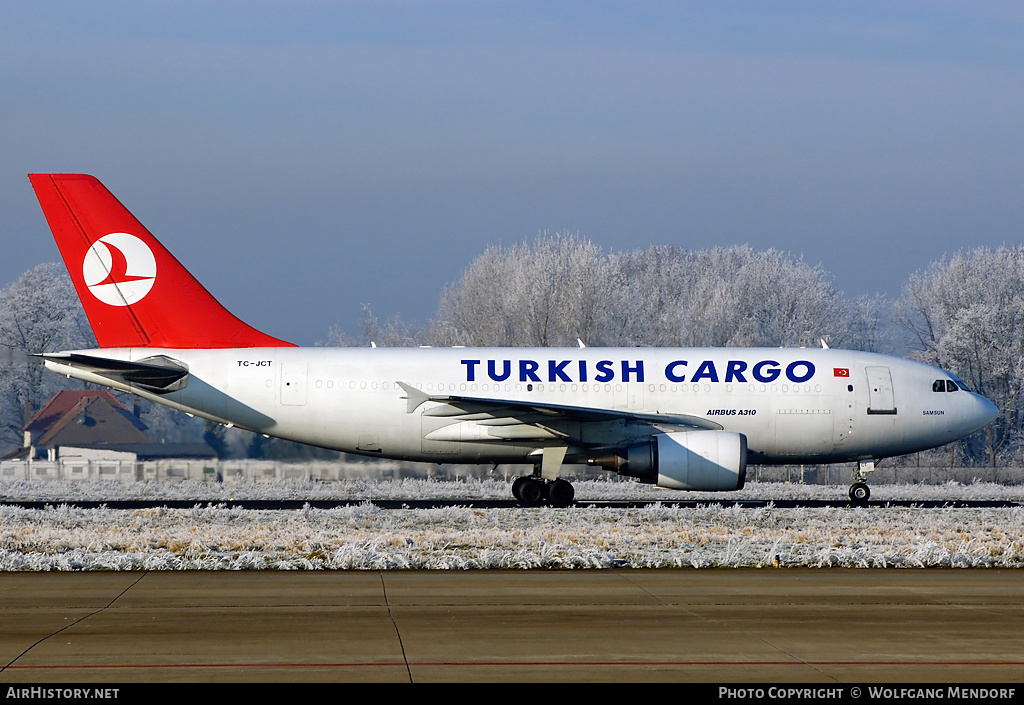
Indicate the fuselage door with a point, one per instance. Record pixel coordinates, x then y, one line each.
880 394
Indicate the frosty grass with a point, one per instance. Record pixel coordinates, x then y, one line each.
211 536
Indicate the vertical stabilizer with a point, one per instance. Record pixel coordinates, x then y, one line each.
135 293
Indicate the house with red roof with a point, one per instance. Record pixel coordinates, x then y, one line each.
92 424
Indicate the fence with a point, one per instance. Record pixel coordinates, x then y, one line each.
267 471
842 474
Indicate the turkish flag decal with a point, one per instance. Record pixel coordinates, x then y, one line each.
840 372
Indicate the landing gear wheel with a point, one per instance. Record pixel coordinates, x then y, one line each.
859 493
517 486
528 491
559 493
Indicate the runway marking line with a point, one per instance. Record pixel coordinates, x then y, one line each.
447 664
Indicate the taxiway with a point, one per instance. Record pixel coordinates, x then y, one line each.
730 626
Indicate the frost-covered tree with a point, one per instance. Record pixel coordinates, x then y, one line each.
392 333
40 312
647 288
966 314
563 287
733 296
870 326
546 293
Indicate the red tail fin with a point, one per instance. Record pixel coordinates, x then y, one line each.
135 293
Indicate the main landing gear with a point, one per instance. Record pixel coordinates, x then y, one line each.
532 491
544 485
859 490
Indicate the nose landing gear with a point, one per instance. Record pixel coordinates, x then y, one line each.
859 490
859 493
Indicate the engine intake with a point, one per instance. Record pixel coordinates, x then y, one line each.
708 461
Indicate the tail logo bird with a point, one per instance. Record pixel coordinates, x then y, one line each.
119 269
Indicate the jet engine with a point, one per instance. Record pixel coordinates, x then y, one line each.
707 461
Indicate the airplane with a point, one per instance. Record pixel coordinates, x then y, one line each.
680 418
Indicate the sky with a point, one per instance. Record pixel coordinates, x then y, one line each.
304 159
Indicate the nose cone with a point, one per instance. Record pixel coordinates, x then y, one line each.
982 414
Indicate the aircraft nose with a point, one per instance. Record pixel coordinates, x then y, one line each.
985 412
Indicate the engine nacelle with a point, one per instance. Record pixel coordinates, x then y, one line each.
708 461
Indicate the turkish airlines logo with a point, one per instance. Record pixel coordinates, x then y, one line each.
119 269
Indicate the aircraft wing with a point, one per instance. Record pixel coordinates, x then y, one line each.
543 415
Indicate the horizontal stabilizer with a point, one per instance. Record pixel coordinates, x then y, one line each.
158 374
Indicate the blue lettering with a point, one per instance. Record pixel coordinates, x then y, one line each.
706 369
470 369
762 375
798 371
734 371
528 371
794 377
506 370
639 369
557 371
670 371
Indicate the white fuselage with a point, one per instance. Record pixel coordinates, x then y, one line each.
793 405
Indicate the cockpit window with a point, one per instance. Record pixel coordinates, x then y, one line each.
948 385
959 384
